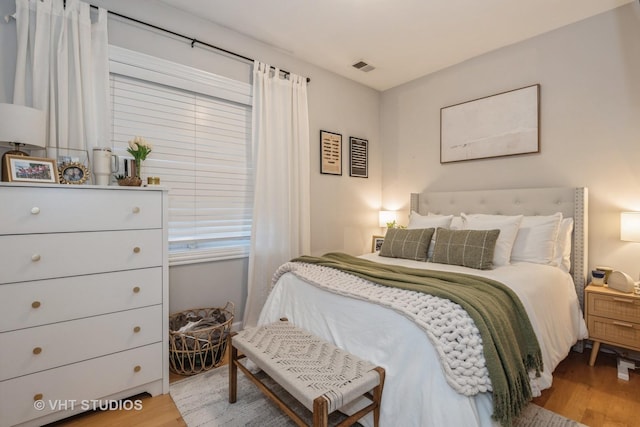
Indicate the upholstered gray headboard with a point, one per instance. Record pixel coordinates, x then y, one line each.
572 202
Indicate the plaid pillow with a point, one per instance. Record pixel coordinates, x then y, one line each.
468 248
408 244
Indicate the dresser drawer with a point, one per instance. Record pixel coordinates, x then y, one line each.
47 256
91 379
614 306
26 351
64 209
615 332
28 304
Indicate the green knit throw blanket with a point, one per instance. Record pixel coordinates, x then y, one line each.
510 345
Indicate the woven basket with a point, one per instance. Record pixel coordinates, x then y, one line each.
200 349
130 181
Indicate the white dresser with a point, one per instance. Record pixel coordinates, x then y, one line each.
83 298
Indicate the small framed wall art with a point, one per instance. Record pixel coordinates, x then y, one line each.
358 157
330 153
30 169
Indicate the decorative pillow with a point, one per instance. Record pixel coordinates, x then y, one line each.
536 239
429 221
408 244
468 248
508 226
562 256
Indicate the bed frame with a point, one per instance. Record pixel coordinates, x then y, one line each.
572 202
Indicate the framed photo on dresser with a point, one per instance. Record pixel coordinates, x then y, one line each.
29 169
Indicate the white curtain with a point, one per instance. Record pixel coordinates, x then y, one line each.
62 68
281 208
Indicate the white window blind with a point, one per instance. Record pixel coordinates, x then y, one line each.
201 152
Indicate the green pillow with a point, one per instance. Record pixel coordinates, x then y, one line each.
468 248
408 244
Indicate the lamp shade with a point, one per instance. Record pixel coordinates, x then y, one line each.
386 217
630 226
22 125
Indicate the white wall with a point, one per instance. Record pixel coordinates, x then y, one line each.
340 220
589 74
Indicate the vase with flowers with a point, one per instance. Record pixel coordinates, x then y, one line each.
139 148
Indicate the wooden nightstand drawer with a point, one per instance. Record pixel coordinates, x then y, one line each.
619 307
614 332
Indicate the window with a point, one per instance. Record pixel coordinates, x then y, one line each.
200 128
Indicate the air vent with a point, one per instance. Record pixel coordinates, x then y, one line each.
363 66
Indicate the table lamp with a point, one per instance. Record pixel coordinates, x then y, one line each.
630 226
386 218
20 126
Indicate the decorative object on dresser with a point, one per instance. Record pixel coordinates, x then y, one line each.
105 163
73 173
128 181
83 304
139 148
30 169
612 318
20 126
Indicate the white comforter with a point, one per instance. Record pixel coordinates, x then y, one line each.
416 392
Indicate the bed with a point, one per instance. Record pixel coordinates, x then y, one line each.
418 390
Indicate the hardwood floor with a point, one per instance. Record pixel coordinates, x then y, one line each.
591 395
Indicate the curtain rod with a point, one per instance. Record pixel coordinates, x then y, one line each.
193 40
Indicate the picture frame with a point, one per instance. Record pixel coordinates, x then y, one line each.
30 169
500 125
376 243
358 157
330 153
74 173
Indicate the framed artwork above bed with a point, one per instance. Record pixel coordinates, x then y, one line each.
504 124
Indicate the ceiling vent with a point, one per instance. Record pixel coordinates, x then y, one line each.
363 66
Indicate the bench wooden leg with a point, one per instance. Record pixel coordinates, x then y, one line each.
233 370
320 412
377 396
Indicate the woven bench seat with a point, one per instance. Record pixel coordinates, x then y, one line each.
319 375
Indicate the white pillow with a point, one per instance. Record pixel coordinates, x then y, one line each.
508 226
429 221
456 221
562 256
536 239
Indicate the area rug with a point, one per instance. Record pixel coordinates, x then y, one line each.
203 400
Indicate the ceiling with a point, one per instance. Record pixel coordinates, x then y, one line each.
402 39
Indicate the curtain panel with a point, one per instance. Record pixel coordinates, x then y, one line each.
62 68
281 206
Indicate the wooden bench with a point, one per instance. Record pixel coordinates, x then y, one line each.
319 375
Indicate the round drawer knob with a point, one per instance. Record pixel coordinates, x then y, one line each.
138 368
136 250
36 304
35 257
38 396
136 290
35 210
136 329
136 210
37 350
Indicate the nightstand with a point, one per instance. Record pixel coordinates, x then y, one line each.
612 318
